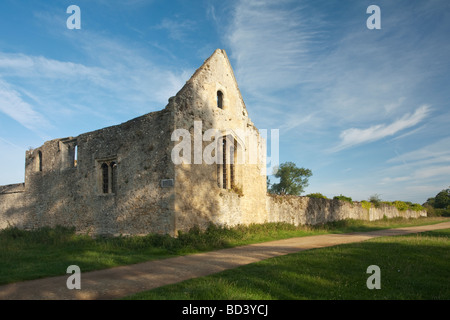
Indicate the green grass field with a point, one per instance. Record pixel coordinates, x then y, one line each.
412 267
26 255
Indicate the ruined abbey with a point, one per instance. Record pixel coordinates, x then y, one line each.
198 161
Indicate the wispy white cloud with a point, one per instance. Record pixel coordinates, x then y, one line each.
409 133
298 120
353 136
178 30
425 170
11 144
392 106
116 80
134 74
211 12
12 104
270 44
27 66
436 152
130 4
354 75
421 175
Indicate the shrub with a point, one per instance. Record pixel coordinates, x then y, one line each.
366 204
343 198
401 206
44 235
431 212
436 212
316 195
446 212
375 200
416 207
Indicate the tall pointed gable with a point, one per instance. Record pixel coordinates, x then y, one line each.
216 77
223 153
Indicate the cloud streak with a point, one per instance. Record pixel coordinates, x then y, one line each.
12 104
354 136
116 81
432 153
177 30
424 170
41 67
270 44
345 75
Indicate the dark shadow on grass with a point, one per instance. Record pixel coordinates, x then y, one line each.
408 271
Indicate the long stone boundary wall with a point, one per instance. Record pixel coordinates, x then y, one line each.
15 210
299 210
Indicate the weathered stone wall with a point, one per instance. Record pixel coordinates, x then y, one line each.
61 191
64 178
200 198
12 200
310 211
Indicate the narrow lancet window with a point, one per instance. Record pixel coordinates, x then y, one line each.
105 177
220 99
40 161
224 162
75 156
227 165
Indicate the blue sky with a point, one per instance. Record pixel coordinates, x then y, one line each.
368 111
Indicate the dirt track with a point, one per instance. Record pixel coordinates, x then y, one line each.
122 281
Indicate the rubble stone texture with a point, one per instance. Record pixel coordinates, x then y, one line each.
122 179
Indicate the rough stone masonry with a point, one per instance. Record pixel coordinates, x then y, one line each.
123 180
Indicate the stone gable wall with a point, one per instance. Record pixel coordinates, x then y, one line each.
64 178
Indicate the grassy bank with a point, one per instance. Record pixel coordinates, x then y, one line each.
26 255
411 267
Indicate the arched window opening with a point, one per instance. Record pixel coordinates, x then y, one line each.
40 161
75 156
227 163
224 162
220 99
107 176
105 183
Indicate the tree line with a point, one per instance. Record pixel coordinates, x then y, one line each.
293 181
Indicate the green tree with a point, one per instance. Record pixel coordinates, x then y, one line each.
376 200
442 199
429 202
293 180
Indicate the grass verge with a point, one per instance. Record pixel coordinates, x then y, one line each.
26 255
412 267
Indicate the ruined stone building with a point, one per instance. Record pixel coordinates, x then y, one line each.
122 179
200 160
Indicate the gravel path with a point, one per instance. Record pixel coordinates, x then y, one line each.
122 281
